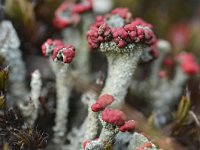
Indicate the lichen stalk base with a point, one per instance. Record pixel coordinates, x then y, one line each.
108 133
92 125
118 80
62 108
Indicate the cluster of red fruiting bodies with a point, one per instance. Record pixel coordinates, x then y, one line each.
188 63
69 13
114 117
137 31
58 50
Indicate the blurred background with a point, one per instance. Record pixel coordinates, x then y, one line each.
35 17
177 21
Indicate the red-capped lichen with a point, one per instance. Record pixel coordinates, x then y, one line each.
64 53
168 62
128 126
61 21
188 63
162 74
122 12
49 45
102 102
138 31
82 7
69 13
115 117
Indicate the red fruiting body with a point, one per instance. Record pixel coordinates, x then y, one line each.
162 74
85 143
145 146
122 12
120 35
61 23
100 32
132 31
140 35
59 20
82 7
185 57
92 37
190 68
49 45
64 53
128 126
68 13
49 42
104 31
63 7
64 16
154 53
57 42
141 22
99 21
168 62
102 102
188 63
115 117
149 37
136 32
